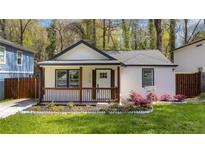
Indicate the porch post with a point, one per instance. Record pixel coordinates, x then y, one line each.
40 85
81 84
118 83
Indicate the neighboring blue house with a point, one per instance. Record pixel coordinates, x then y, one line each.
15 61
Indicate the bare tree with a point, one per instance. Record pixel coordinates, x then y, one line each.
23 29
3 28
172 36
104 33
93 32
158 27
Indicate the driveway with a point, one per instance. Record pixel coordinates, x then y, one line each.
14 106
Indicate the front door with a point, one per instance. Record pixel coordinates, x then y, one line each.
103 80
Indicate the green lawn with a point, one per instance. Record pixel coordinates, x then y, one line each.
181 118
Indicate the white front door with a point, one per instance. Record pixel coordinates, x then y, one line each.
103 80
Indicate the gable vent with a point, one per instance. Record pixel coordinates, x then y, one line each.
198 45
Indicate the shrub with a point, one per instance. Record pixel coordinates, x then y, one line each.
152 97
166 97
145 103
70 105
135 97
139 100
36 108
179 97
114 105
51 106
60 108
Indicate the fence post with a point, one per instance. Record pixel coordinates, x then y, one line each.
40 85
199 76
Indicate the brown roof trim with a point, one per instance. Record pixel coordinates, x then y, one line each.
191 43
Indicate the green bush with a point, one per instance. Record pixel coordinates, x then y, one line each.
114 105
51 106
70 105
60 108
36 108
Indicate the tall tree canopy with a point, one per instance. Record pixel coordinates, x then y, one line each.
105 34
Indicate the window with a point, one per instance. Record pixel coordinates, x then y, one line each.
147 77
67 78
61 78
2 55
74 78
103 75
19 57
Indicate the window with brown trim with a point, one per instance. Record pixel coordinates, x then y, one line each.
67 78
61 79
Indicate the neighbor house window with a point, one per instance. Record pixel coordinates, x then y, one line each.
19 57
67 78
61 78
147 77
2 55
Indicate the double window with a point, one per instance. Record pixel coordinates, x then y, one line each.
67 78
2 55
19 57
147 77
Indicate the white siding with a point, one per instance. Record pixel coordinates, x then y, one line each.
131 79
81 52
87 74
190 58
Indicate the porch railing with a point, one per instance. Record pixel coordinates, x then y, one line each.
74 94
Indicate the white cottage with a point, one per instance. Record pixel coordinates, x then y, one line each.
83 73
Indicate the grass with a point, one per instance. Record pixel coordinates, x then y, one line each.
4 100
172 118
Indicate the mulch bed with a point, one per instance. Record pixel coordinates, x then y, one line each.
86 108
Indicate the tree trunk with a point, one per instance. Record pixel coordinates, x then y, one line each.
21 32
3 28
185 31
172 36
126 34
94 32
159 33
152 34
104 33
134 32
23 29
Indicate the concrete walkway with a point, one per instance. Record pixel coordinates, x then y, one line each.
11 107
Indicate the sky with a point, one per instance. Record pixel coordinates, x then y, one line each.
45 22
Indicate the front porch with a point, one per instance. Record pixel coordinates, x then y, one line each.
95 84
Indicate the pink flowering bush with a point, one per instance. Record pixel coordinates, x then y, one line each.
152 97
179 97
138 99
166 97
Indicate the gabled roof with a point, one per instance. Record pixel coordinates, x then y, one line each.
85 43
125 58
17 46
141 58
193 42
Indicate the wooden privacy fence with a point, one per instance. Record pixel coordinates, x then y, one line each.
188 84
21 87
